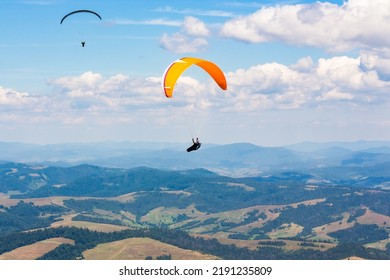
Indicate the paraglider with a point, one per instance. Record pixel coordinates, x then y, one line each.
174 71
80 11
195 146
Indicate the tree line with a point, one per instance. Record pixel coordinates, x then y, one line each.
86 239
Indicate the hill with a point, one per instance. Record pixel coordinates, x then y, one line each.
331 202
274 209
140 249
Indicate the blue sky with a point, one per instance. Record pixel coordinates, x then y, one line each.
296 71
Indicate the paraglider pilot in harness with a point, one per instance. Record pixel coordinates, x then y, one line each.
195 146
83 44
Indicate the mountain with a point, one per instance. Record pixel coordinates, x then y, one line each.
237 159
353 146
309 214
319 201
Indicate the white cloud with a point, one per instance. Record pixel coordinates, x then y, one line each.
191 37
378 60
91 98
355 24
349 73
14 98
307 84
180 43
303 64
335 95
195 27
86 81
91 90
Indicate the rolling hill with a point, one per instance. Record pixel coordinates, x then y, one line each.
329 203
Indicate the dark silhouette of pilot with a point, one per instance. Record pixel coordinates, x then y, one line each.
195 146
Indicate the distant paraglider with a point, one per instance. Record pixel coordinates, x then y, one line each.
80 11
195 145
174 71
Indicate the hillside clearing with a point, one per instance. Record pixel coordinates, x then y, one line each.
36 250
139 249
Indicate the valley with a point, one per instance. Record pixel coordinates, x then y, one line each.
316 213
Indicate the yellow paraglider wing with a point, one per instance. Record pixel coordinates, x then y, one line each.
175 70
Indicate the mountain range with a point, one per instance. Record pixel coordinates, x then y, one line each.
238 159
362 163
309 200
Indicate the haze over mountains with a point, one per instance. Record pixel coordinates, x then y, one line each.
233 159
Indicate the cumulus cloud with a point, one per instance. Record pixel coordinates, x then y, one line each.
191 37
355 24
91 90
12 97
92 98
335 95
378 60
195 27
327 81
82 83
181 43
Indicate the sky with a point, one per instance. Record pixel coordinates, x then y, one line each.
296 71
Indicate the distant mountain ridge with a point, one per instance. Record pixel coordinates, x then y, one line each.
308 146
236 158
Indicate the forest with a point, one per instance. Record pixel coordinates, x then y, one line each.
272 210
87 239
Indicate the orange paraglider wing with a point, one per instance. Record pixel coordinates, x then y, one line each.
174 71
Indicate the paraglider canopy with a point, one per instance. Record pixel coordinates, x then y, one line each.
80 11
80 30
174 71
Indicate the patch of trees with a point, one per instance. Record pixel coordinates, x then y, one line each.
358 213
180 218
97 219
251 217
259 233
361 234
307 216
240 236
162 257
323 213
308 244
254 234
377 201
272 242
25 216
139 207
